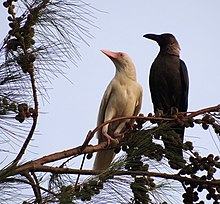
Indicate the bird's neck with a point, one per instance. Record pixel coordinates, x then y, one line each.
128 74
171 49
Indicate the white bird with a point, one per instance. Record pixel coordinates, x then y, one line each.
123 97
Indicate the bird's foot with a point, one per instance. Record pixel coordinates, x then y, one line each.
173 111
111 141
159 113
119 135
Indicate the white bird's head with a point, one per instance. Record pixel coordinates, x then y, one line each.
123 63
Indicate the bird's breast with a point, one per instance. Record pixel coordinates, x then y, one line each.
167 68
125 97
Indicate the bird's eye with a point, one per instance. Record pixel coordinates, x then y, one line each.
121 54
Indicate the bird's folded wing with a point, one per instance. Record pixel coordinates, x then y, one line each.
185 85
102 109
138 103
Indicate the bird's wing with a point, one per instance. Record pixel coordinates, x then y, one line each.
102 108
156 81
103 158
185 85
139 101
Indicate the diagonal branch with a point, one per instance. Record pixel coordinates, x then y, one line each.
59 155
204 110
88 149
91 134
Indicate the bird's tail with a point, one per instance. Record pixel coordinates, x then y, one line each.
103 159
173 143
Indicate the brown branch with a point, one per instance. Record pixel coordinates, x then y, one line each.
91 134
35 164
85 149
58 156
88 149
204 110
38 165
34 186
177 177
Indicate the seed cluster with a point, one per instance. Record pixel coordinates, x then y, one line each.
21 36
6 106
24 111
201 169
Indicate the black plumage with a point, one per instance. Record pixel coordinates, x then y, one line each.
169 83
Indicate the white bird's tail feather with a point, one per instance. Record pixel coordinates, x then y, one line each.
103 159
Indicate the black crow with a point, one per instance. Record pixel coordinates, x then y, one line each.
169 84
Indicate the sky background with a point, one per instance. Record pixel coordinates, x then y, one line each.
73 107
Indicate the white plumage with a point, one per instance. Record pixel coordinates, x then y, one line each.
123 97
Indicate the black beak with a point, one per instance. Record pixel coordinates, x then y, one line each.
152 37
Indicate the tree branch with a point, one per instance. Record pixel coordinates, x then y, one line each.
39 165
204 110
60 155
177 177
88 149
91 134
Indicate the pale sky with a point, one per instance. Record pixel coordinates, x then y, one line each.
72 109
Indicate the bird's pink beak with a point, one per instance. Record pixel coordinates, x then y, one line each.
110 54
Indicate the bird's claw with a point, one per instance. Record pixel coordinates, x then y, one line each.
119 135
111 141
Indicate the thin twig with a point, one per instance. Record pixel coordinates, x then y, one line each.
35 117
77 179
204 110
35 187
17 180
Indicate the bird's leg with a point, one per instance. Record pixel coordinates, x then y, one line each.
109 138
118 132
173 111
159 112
